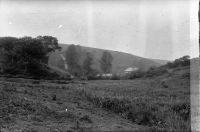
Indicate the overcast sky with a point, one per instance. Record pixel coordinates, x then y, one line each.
162 29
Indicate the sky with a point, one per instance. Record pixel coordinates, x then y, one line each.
148 28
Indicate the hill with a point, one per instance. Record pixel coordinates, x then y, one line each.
121 60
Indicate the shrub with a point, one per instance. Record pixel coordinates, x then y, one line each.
115 77
183 61
182 109
54 97
92 77
155 72
86 118
136 74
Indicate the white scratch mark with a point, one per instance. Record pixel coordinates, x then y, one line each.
60 26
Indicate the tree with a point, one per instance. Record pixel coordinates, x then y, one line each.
29 53
50 44
106 62
6 52
72 58
87 64
26 54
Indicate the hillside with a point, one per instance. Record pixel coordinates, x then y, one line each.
121 60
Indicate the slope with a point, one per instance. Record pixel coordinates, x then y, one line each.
121 60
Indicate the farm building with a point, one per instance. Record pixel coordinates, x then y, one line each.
130 69
108 75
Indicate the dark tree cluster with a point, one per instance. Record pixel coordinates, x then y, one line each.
183 61
157 71
26 55
80 62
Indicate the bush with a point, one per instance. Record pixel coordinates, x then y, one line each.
115 77
92 77
183 61
136 74
155 72
54 97
182 109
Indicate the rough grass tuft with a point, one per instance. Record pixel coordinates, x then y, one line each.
145 113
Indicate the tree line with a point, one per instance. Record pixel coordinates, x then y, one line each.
29 56
79 66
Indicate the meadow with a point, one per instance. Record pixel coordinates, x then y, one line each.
160 103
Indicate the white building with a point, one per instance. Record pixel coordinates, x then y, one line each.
106 75
130 69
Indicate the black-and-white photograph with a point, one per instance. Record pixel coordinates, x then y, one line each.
99 65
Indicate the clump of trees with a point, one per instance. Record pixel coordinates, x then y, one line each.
180 62
26 55
157 71
135 74
80 62
183 61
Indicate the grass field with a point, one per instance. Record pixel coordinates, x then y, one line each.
145 102
161 103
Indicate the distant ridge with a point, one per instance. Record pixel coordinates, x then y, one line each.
121 60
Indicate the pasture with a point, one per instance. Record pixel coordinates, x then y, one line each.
147 104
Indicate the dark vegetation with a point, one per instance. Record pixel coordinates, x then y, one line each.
157 71
27 56
80 63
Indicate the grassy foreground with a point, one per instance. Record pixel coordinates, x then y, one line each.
161 103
